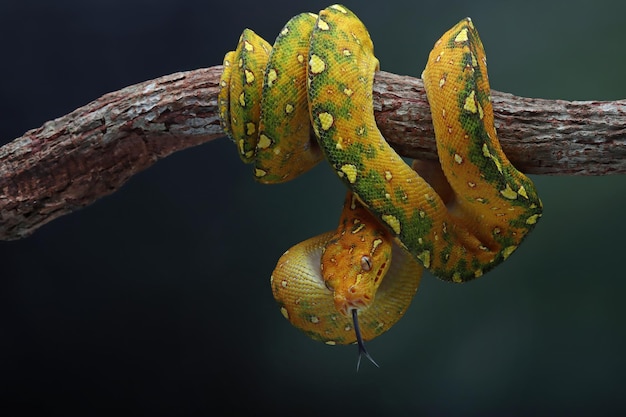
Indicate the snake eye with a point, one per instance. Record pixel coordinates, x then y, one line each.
366 263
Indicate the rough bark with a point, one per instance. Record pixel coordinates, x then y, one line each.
72 161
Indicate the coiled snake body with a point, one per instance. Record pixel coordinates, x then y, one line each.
458 218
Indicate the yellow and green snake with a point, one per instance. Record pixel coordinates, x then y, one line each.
309 97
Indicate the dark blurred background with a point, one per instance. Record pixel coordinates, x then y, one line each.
156 299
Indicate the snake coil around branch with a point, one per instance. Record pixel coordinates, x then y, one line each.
76 159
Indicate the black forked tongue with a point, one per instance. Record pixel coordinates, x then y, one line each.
359 340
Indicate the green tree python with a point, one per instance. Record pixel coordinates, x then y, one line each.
309 97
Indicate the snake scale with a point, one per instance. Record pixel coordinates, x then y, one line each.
308 98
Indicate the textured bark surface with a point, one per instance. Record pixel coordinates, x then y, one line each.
72 161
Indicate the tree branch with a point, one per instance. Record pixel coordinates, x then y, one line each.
72 161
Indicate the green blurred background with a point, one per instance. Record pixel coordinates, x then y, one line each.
156 299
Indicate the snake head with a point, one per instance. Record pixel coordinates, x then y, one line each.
355 261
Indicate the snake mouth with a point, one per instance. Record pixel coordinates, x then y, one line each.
346 304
